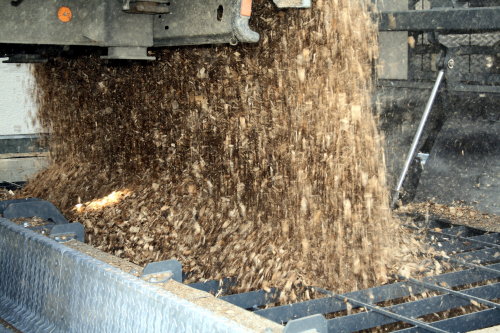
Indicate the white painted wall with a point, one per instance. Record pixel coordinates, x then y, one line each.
16 110
393 46
16 102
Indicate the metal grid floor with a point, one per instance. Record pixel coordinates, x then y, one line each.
473 253
408 305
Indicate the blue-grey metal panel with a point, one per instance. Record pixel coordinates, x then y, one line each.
46 286
4 329
5 203
39 208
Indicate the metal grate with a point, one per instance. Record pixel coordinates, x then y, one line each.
408 305
477 257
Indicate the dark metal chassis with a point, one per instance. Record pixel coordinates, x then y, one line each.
466 99
441 20
30 32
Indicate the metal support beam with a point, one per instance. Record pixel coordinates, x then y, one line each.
450 20
416 139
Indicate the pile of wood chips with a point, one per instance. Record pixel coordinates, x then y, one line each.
262 162
6 194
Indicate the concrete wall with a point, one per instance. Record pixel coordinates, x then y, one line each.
20 155
393 64
16 102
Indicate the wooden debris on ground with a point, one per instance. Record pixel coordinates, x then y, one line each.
6 194
262 162
457 213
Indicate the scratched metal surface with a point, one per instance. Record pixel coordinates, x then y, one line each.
46 286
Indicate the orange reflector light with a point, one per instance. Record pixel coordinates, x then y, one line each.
64 14
246 8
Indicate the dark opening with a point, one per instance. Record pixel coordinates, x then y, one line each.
166 27
220 12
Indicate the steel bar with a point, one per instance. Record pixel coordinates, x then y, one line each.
285 313
461 80
463 243
458 231
416 139
464 277
432 286
253 299
469 264
492 239
384 312
415 309
457 20
465 323
461 50
455 246
483 256
474 88
214 286
22 136
485 239
453 89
